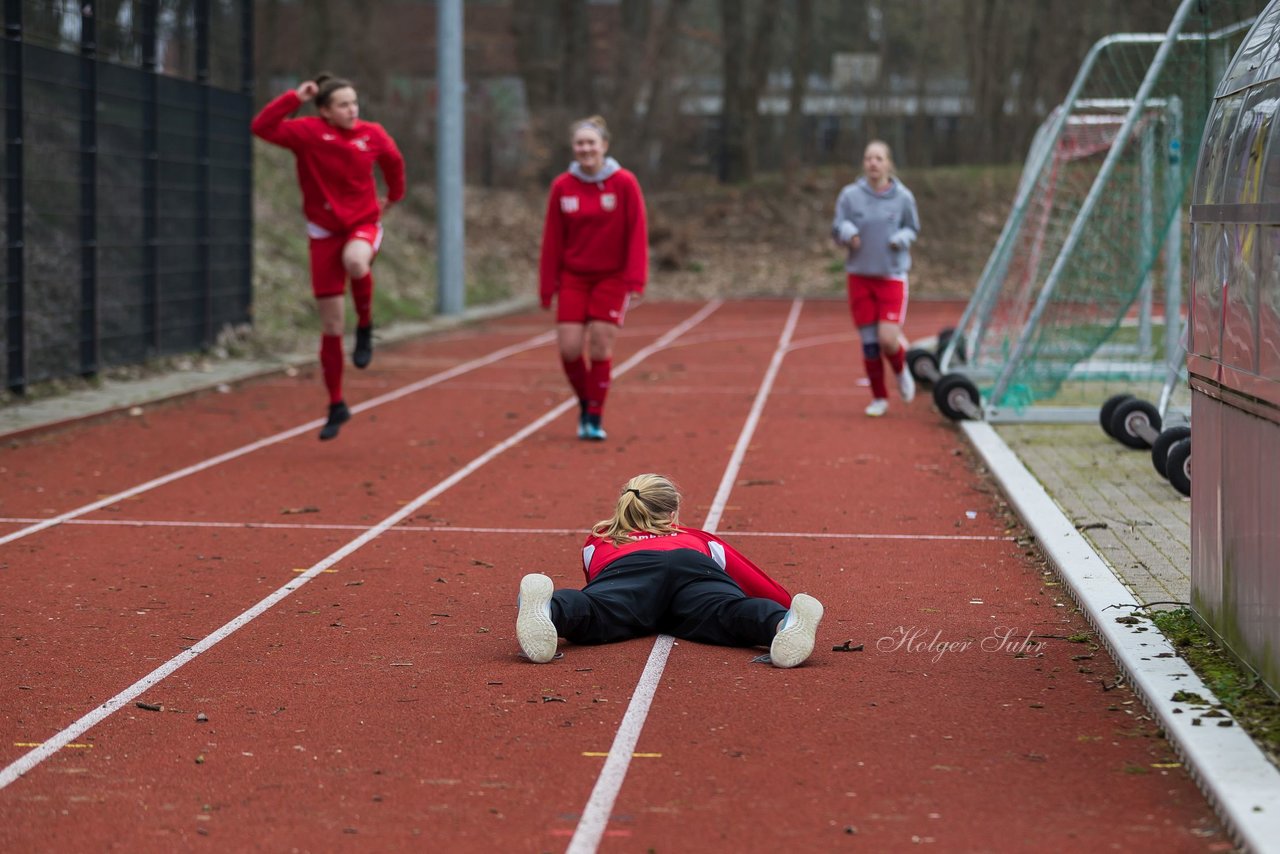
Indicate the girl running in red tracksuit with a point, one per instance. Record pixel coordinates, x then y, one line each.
646 574
595 257
335 154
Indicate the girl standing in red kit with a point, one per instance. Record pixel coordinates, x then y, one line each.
595 262
336 152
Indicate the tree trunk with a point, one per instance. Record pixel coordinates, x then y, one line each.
800 52
918 148
537 51
744 78
576 83
733 143
659 73
633 49
758 80
319 52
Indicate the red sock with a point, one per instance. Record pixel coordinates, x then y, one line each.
599 376
897 360
875 373
362 296
331 365
576 371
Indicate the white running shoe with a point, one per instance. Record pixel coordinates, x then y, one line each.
906 385
795 638
877 407
534 629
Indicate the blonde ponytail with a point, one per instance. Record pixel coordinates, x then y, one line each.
648 504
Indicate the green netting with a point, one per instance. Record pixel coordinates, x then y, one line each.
1082 295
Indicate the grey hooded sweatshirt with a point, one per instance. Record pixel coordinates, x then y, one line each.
887 222
606 169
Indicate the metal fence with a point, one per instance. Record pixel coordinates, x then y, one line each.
126 203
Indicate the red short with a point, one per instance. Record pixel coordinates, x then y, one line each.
873 300
328 275
586 298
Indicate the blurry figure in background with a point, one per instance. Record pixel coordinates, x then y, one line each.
876 222
335 153
647 574
595 261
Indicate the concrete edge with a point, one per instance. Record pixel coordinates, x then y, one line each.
23 420
1232 772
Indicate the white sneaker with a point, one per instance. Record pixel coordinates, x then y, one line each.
534 629
795 638
906 385
877 407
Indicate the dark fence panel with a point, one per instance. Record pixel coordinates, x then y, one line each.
128 174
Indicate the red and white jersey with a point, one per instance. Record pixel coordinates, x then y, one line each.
335 166
599 553
594 228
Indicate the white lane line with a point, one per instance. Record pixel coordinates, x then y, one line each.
595 815
463 529
52 745
823 340
496 356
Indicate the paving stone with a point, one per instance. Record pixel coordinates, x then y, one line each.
1134 519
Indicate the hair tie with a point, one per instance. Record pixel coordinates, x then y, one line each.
632 489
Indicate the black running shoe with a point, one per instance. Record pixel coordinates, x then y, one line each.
363 354
582 419
338 415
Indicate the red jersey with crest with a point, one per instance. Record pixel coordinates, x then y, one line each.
594 228
335 166
598 553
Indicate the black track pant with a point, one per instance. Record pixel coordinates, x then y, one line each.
681 592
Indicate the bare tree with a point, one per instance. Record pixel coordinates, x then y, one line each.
988 73
628 78
801 50
659 103
537 46
577 85
733 131
745 72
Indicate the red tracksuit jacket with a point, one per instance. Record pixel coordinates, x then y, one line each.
335 166
594 228
598 553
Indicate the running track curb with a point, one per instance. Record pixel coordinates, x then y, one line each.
1231 771
119 396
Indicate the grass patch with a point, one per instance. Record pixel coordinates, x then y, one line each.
1242 693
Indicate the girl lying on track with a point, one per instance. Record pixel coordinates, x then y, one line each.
646 574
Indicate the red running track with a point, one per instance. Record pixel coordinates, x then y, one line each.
372 698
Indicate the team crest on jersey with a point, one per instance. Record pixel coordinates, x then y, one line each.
362 143
569 204
608 201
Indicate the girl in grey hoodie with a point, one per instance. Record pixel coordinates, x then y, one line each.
876 222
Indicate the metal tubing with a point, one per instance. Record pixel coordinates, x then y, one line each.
1146 239
449 157
1091 200
988 281
1174 343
